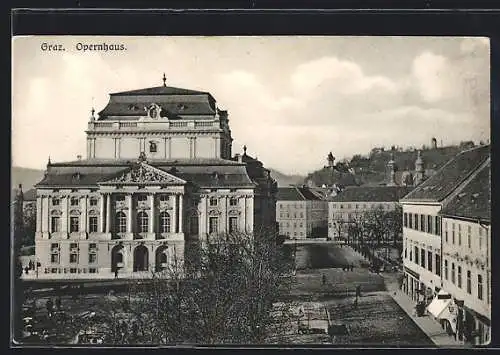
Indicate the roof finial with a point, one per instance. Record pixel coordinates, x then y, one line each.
164 80
245 150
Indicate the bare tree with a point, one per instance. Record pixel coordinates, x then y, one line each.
222 292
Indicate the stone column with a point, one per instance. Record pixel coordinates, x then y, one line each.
39 214
173 199
244 213
65 214
130 213
152 217
108 213
84 215
180 213
102 216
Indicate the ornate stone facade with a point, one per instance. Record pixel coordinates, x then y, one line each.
102 216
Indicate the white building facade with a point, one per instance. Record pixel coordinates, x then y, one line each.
440 245
300 213
158 173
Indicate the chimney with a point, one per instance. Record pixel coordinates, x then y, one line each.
79 157
238 157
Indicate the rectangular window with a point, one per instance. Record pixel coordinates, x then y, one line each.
469 231
446 232
233 224
469 282
422 257
422 223
480 287
416 255
73 258
459 234
213 201
438 225
54 258
74 201
213 224
55 201
410 220
480 238
453 233
92 270
429 225
411 255
72 270
74 224
429 261
438 264
93 201
92 246
92 258
459 277
93 224
73 246
406 253
415 216
405 219
453 273
55 224
446 269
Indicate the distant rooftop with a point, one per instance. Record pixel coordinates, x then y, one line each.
371 194
295 193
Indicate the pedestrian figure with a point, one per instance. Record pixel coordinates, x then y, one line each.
26 269
358 291
352 267
356 303
116 273
49 306
324 279
58 303
31 265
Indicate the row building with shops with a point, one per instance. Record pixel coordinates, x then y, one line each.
159 172
447 245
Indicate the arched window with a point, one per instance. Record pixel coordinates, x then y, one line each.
164 222
121 222
142 222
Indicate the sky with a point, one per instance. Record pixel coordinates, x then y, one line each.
290 99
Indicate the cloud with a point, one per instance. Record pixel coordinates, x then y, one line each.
342 76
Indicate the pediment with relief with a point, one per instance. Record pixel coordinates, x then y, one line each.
143 173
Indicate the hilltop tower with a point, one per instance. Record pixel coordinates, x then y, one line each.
391 167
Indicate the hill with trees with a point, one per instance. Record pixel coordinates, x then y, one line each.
371 168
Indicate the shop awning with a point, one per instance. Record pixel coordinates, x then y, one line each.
439 304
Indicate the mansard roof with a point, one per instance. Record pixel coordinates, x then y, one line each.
474 200
174 102
205 173
160 90
450 175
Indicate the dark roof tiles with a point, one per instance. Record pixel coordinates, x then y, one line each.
449 176
474 200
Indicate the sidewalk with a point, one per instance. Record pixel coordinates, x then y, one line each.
426 323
